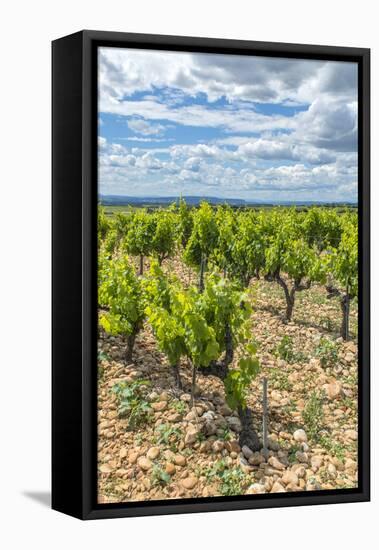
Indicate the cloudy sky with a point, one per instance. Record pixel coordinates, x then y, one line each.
257 128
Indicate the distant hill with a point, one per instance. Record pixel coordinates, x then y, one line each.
123 200
192 200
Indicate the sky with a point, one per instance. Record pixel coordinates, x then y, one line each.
250 127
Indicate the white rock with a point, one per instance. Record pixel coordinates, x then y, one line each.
300 436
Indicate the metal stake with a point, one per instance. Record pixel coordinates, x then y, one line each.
265 418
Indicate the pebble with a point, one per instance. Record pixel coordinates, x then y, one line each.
299 470
351 434
170 468
256 459
144 463
191 435
350 464
159 406
247 452
273 444
105 469
332 470
313 486
123 452
189 482
232 446
132 457
234 423
316 462
225 410
205 446
301 457
333 390
190 416
277 488
217 446
290 477
275 463
180 460
300 436
153 453
255 489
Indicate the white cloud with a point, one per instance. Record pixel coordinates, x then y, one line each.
258 79
257 152
141 126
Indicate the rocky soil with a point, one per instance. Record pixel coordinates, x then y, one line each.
179 452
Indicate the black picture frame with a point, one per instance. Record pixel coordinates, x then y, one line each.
74 295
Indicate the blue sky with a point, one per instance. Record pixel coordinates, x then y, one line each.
257 128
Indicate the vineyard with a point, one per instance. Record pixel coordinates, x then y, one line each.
199 310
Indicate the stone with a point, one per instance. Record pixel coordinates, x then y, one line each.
123 452
132 457
189 482
333 390
153 453
180 460
299 470
164 396
255 489
275 463
301 457
234 423
144 463
332 470
350 464
225 410
247 452
273 444
209 416
205 446
174 417
170 468
186 397
159 406
210 427
313 486
316 462
338 463
192 434
290 478
300 436
105 469
232 446
147 483
277 488
351 434
256 459
190 416
169 455
217 446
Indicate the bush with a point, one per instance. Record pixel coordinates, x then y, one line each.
313 415
327 352
131 397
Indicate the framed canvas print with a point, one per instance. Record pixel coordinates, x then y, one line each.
210 275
